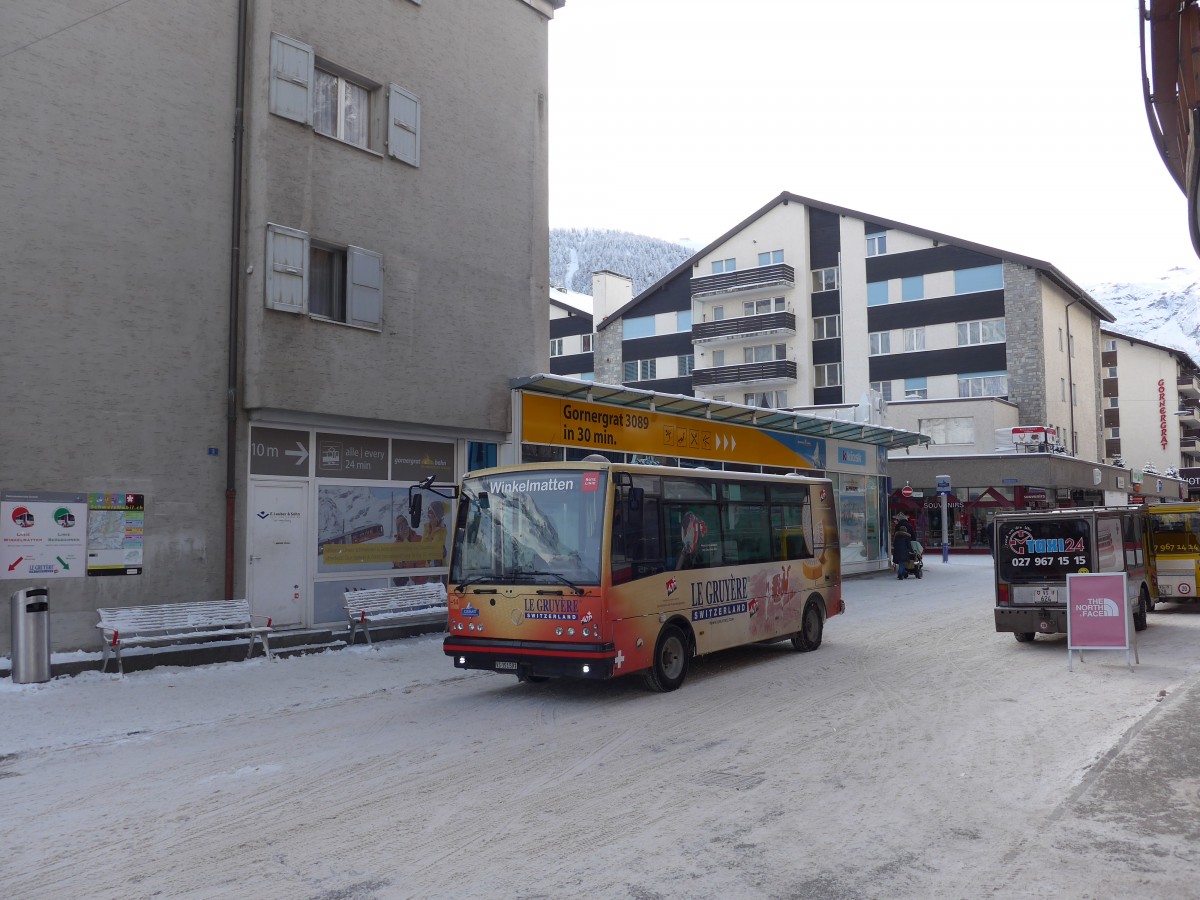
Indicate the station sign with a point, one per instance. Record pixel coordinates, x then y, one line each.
351 456
278 451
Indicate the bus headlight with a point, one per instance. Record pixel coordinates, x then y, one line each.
571 632
586 632
586 669
558 631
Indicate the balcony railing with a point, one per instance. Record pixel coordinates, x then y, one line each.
1189 416
780 274
744 326
1189 386
781 370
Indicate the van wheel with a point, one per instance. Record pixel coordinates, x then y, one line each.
811 629
1025 637
670 661
1139 617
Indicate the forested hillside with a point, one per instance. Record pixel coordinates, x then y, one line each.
575 253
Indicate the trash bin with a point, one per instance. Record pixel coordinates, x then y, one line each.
30 636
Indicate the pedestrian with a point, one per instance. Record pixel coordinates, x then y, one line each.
901 550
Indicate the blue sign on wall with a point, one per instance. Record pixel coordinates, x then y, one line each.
849 457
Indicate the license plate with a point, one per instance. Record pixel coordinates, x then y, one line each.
1165 589
1045 595
504 664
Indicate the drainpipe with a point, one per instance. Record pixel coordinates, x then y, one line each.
1070 378
235 280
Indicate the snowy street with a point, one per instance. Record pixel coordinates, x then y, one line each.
917 753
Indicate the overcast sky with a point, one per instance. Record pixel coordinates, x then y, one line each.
1017 124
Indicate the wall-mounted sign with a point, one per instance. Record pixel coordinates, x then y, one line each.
116 525
351 456
415 460
278 451
577 423
42 534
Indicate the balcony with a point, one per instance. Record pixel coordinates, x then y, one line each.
744 327
1189 386
780 275
1189 416
780 371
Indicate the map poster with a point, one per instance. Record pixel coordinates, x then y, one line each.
115 533
41 534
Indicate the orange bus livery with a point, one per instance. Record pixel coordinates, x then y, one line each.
598 569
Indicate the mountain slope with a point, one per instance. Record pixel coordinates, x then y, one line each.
1164 311
575 253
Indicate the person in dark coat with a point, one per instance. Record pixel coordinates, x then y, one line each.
901 550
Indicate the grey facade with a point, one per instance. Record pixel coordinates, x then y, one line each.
120 370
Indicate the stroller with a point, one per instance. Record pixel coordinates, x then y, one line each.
916 559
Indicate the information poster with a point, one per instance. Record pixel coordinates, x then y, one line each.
42 534
115 533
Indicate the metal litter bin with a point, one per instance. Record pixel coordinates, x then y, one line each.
30 636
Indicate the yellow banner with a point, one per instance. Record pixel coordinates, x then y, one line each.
577 423
391 551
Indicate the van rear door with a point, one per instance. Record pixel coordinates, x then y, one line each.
1033 552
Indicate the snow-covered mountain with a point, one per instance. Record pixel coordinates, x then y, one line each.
1164 311
575 253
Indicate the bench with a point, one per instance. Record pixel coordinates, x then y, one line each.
412 604
172 623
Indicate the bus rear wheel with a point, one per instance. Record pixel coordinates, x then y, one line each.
670 661
811 629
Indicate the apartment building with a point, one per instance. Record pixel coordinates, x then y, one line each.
813 307
271 267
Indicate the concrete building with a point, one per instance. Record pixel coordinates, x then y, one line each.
267 265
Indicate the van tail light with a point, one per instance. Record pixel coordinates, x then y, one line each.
1002 595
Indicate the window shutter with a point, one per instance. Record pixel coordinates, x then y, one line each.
287 269
290 93
404 126
364 287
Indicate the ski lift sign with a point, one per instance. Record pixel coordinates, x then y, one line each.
1099 616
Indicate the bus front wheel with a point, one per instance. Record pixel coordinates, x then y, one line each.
1143 607
670 660
811 629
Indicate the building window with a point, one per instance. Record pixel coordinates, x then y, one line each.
1114 432
877 244
338 283
718 357
556 347
1060 340
825 279
764 353
480 455
718 313
587 376
1074 394
827 375
916 389
1062 389
640 369
881 343
884 389
983 384
982 278
341 108
335 103
687 362
1110 345
1110 372
877 293
723 265
763 307
638 327
1113 402
826 327
912 288
767 399
914 339
982 331
720 398
585 342
1071 344
770 258
683 320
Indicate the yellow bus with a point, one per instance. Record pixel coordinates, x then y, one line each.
597 569
1173 550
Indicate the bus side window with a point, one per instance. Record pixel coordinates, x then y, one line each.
693 536
747 537
788 539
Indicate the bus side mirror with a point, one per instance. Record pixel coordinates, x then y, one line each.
482 499
636 496
414 510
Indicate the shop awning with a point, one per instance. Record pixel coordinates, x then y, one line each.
779 420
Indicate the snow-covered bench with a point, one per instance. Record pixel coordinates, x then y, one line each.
174 623
410 604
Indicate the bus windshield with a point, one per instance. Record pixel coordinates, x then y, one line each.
1174 532
541 526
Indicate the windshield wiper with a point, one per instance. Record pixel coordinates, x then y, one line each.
534 573
474 579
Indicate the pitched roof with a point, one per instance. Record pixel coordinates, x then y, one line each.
1052 272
